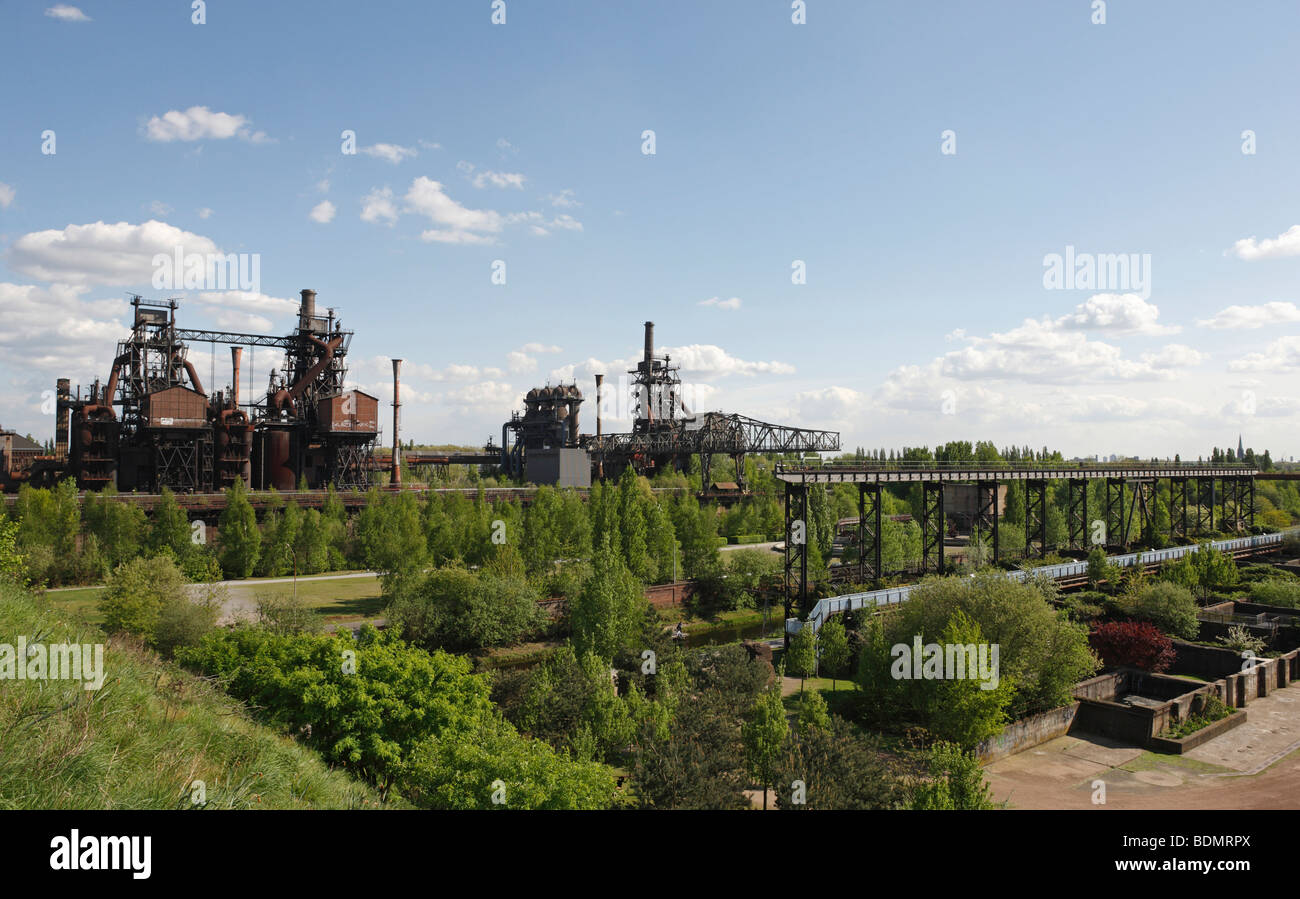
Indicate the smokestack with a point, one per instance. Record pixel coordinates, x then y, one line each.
649 344
62 409
236 355
307 311
397 405
600 379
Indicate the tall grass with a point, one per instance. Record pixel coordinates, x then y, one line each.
144 738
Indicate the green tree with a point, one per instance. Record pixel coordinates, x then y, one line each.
834 645
12 570
609 613
241 541
169 526
811 711
801 657
838 768
955 782
964 710
137 592
764 735
1168 606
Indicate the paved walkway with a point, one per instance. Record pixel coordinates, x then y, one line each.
1254 766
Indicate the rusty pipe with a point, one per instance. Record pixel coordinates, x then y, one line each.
194 377
236 357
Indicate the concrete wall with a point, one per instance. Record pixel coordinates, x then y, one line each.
1027 732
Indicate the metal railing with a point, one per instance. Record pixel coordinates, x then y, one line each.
893 595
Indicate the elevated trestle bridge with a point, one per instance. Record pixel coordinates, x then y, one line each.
1204 498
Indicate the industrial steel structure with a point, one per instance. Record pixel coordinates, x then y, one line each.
1127 515
151 425
665 434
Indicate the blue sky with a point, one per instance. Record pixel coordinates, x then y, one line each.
924 316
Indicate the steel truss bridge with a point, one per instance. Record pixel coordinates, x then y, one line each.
710 434
873 599
1196 491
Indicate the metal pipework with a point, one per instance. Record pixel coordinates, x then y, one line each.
397 406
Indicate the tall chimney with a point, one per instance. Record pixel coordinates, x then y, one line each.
307 311
236 355
62 410
649 344
397 405
600 379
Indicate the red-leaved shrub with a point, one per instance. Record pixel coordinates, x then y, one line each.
1137 644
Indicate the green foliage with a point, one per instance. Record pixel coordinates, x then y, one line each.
963 710
145 737
1168 606
1097 566
839 768
1042 653
241 542
455 609
118 527
137 592
955 781
1276 592
764 733
801 658
48 524
834 645
811 711
1212 709
415 722
185 621
12 569
1241 640
169 526
610 611
390 538
284 613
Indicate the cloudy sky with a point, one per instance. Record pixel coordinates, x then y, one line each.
1010 222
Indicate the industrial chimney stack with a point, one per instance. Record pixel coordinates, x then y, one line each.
307 311
236 356
600 379
397 405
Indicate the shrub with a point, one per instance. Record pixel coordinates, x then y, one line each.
137 592
1276 592
284 613
1168 606
184 622
1136 644
1241 640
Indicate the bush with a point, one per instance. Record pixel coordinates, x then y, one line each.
455 609
1277 592
184 622
284 613
137 593
1168 606
1241 640
1135 644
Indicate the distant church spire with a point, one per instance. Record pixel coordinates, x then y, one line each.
1241 453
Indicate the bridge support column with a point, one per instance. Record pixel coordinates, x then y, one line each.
738 461
1250 504
1077 515
1036 517
796 549
1144 503
869 566
933 526
1177 509
706 466
1204 505
987 513
1115 530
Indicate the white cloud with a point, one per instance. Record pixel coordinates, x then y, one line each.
499 179
205 213
323 212
1285 244
733 303
100 253
1282 355
564 199
1250 317
249 302
459 224
1125 313
518 362
65 13
159 208
6 195
201 123
540 348
323 186
429 145
377 206
393 153
707 360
